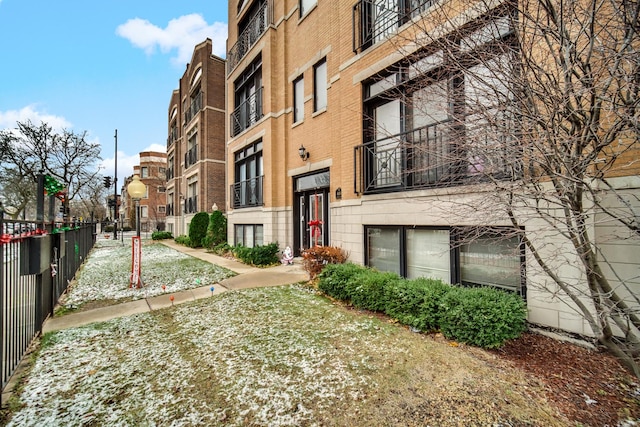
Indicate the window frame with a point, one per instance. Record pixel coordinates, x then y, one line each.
320 85
457 239
306 6
298 99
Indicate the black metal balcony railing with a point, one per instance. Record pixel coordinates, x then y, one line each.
247 114
254 29
373 20
432 156
247 193
196 105
191 156
173 136
169 174
191 204
169 209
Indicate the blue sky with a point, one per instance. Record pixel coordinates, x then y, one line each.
97 66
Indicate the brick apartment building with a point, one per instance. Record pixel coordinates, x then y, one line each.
195 178
152 172
331 104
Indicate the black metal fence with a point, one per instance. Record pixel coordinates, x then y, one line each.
38 262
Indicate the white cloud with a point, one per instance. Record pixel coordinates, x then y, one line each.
125 166
9 118
156 147
182 33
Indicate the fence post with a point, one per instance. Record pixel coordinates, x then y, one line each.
2 270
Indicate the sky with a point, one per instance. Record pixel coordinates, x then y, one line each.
98 66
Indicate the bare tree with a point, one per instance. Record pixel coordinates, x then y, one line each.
68 157
535 103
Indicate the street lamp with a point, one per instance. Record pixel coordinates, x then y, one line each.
137 190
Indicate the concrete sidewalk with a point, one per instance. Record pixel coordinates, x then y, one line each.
247 277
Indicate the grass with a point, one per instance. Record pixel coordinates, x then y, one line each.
283 356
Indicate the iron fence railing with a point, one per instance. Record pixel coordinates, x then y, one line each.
436 155
373 20
248 37
38 261
191 205
247 193
191 156
247 114
194 108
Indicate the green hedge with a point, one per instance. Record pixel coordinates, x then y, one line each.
484 317
161 235
416 302
261 255
335 278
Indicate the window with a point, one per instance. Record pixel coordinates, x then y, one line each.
191 156
248 98
162 170
161 209
306 6
298 99
249 235
473 256
247 188
195 103
144 172
144 211
443 119
320 85
161 189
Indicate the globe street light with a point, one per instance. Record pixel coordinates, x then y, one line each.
137 190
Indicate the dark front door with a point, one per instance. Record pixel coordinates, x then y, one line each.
311 215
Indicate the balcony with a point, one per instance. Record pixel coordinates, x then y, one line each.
169 174
194 108
247 193
436 155
173 136
247 114
191 205
169 209
373 20
255 27
191 156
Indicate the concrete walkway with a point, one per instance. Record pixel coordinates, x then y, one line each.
247 277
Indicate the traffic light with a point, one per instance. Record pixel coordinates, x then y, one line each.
107 182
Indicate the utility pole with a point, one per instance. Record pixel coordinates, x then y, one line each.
115 192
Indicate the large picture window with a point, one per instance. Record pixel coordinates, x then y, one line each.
445 117
249 235
247 189
472 256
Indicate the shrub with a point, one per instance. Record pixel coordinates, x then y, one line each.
316 258
261 255
161 235
107 229
182 240
484 317
417 302
334 279
222 249
367 289
198 229
216 230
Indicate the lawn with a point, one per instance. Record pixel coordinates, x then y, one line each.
279 356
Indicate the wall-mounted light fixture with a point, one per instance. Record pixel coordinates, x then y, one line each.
304 154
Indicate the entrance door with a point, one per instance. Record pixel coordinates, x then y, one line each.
311 216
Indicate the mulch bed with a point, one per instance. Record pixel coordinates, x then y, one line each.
589 387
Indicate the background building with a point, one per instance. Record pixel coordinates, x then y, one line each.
152 171
195 179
